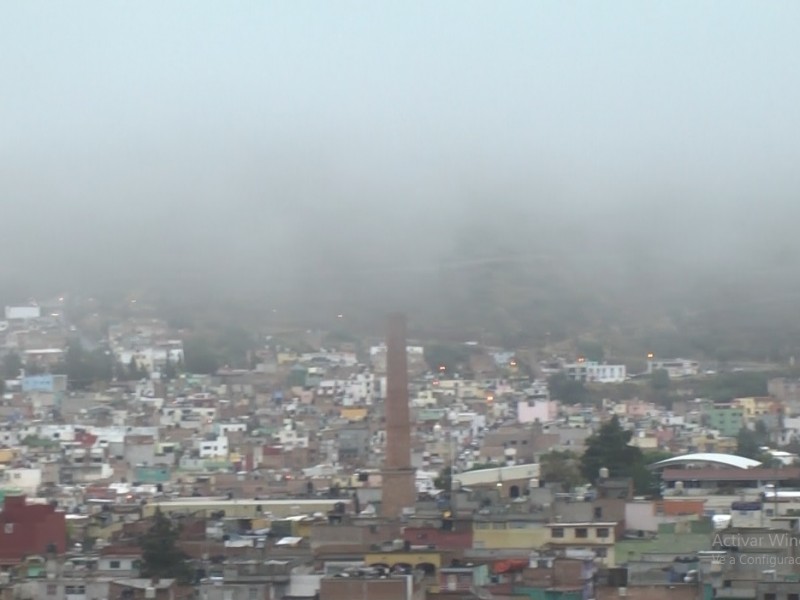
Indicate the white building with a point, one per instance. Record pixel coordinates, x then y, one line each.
187 417
61 433
226 428
357 390
424 399
109 436
152 358
22 313
363 388
215 448
593 372
26 480
538 390
675 367
377 356
291 438
9 437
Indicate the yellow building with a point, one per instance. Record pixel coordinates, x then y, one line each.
495 535
754 407
354 413
722 445
287 358
645 442
597 537
427 562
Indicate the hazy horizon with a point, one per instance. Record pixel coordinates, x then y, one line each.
356 154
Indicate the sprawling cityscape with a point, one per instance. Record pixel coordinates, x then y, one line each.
338 468
399 300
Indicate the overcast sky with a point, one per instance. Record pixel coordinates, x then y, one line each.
138 133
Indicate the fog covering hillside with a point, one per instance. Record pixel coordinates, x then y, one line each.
526 174
503 273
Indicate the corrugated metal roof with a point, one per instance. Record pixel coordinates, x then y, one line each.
728 460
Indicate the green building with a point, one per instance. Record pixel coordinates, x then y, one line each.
152 475
298 376
728 420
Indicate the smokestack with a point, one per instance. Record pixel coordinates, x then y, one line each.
399 485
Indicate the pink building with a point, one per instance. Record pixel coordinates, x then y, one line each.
544 411
638 409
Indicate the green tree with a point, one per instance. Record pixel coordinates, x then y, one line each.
336 338
34 368
659 380
566 390
199 358
646 481
170 371
750 441
12 365
453 358
161 556
445 480
609 448
737 384
134 372
120 371
84 368
591 350
561 466
235 344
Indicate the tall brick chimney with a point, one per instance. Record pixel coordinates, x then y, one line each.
399 489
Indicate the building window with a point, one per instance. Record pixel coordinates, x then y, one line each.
558 532
75 590
252 594
769 596
793 597
8 528
114 564
601 552
602 532
52 589
581 533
